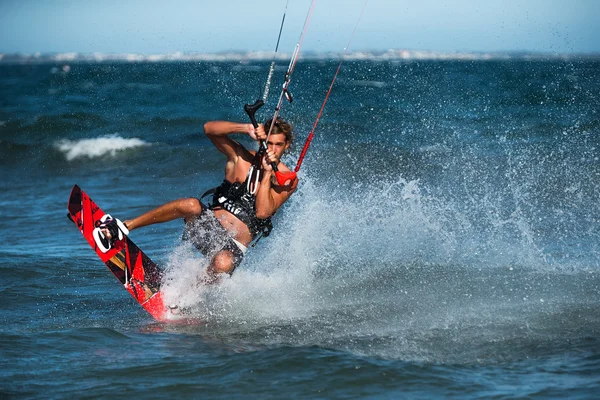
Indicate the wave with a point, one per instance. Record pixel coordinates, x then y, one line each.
97 147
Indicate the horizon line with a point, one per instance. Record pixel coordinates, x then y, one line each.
241 56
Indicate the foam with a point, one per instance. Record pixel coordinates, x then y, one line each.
97 147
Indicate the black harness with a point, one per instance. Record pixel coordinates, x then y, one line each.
235 198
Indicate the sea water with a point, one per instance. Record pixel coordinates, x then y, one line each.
444 239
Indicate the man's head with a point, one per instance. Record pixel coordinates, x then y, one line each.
281 136
281 127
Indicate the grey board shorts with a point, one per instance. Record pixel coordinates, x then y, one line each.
209 236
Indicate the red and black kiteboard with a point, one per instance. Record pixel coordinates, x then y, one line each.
134 269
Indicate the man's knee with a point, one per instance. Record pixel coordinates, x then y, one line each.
223 262
190 206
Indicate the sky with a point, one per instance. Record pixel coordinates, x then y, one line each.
203 26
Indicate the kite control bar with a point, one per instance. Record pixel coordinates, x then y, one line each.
282 177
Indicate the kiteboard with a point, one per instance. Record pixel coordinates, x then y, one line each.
140 276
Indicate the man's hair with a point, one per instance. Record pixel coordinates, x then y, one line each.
281 126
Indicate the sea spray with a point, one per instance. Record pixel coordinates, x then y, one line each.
389 272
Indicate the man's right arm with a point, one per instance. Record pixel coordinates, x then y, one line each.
218 132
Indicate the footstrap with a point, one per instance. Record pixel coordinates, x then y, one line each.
115 228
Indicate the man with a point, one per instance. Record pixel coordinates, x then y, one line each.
242 205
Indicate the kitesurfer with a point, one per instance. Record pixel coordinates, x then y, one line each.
241 207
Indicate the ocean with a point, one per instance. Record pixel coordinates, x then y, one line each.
444 241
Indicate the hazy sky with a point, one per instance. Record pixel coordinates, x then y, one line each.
153 26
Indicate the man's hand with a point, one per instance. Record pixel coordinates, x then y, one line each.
269 158
257 133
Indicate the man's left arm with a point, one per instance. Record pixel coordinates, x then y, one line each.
270 197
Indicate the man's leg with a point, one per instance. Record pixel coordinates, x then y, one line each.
223 262
187 208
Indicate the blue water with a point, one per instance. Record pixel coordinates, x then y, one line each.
444 240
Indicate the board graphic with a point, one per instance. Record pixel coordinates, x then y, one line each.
135 270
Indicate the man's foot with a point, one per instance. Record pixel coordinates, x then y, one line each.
108 232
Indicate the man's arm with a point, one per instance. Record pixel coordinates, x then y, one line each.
269 197
218 131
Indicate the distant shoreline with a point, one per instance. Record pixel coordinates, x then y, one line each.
389 55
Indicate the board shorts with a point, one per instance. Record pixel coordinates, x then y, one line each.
208 235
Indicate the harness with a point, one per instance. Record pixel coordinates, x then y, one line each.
239 201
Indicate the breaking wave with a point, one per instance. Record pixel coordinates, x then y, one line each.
97 147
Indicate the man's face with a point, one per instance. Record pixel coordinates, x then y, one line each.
277 144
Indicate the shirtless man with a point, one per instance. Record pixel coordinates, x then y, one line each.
242 205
